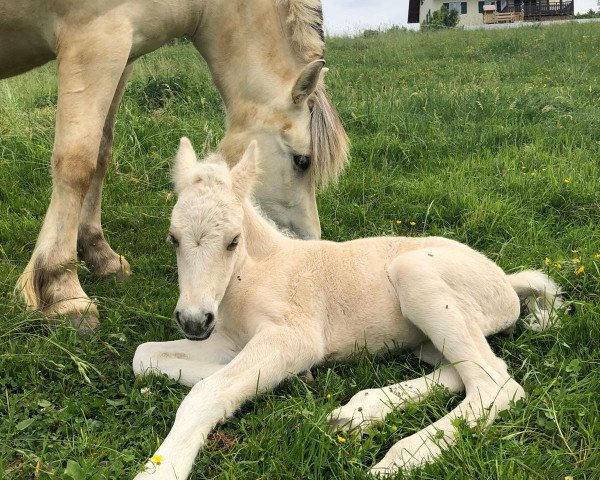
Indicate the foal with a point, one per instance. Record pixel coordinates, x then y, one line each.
267 307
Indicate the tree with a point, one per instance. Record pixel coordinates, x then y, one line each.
442 18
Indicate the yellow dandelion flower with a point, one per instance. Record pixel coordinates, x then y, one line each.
157 459
580 270
574 251
412 224
558 265
577 260
597 256
533 174
547 261
566 181
398 222
341 439
328 396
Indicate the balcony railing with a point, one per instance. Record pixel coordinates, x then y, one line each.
541 10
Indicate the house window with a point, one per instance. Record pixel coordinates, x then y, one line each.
460 7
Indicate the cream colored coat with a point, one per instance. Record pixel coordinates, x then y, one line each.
267 306
265 57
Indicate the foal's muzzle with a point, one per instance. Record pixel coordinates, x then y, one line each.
195 324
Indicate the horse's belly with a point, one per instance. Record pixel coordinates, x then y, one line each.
376 323
20 53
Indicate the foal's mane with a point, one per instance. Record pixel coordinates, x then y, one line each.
330 144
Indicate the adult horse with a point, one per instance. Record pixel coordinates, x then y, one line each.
265 57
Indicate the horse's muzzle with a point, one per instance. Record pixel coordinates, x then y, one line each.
195 324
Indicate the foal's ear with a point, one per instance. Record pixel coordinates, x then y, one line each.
185 162
307 81
243 173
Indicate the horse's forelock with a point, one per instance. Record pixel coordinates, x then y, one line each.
329 142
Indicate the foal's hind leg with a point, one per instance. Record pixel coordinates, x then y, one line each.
90 63
92 247
443 313
372 405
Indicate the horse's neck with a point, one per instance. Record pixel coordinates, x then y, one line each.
232 36
260 236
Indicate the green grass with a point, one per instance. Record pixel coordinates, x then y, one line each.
470 135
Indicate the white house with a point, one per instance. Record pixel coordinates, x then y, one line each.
471 12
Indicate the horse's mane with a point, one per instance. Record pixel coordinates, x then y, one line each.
330 145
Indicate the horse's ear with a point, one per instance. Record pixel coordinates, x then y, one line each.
307 81
185 162
244 172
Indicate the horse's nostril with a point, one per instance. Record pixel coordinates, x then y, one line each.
209 318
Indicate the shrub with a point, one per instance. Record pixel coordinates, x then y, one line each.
370 33
442 18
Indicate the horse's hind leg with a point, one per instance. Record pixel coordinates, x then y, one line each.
372 405
90 65
432 298
92 247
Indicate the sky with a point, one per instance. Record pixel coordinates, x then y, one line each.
351 16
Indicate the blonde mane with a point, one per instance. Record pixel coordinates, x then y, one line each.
330 144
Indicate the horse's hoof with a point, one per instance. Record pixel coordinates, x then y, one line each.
85 323
83 315
123 272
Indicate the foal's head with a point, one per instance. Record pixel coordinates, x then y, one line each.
206 232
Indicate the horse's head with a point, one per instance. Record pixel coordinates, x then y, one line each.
281 126
206 232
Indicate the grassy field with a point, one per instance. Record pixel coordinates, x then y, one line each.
488 137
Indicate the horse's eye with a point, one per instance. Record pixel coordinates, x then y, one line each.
172 240
234 243
302 162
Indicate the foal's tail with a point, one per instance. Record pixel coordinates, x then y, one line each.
541 295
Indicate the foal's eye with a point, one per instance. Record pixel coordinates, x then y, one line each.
172 240
234 243
302 162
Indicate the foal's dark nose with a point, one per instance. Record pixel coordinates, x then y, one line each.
195 323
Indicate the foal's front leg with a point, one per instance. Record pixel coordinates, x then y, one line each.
271 356
186 361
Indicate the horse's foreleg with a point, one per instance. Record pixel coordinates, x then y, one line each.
90 64
92 247
186 361
272 355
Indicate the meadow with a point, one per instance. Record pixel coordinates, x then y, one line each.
488 137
